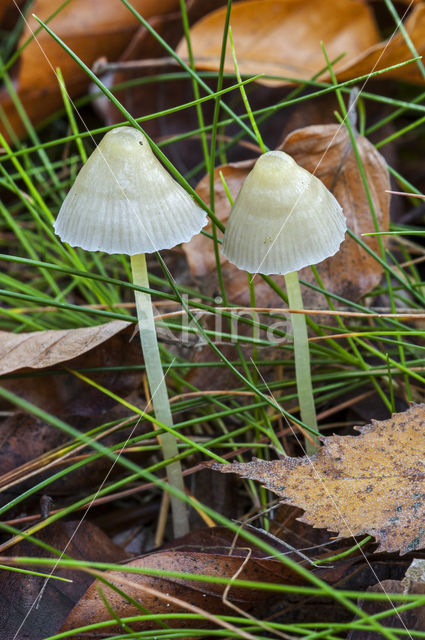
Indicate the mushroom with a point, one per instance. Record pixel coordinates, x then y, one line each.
284 219
124 201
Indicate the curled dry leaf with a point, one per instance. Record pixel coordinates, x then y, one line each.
373 483
90 29
268 34
326 151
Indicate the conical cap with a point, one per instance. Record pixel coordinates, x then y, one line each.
124 201
283 219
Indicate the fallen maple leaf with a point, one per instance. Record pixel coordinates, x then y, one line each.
373 483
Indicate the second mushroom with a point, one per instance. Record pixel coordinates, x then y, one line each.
284 219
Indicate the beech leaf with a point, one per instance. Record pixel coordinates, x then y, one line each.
373 483
268 33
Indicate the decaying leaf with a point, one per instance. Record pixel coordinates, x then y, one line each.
373 483
326 151
268 35
392 52
207 557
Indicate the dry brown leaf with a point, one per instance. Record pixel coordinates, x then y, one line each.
90 29
207 557
282 38
373 483
43 349
326 151
98 347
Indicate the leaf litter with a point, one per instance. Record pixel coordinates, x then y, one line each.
267 34
210 552
44 349
100 348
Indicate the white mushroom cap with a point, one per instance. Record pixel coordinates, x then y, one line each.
124 201
283 219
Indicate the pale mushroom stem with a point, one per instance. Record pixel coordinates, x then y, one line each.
158 389
302 358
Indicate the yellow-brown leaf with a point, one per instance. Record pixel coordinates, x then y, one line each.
373 483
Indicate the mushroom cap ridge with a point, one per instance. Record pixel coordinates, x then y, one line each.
124 201
283 219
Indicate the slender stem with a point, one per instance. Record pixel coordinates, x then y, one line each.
302 357
158 389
